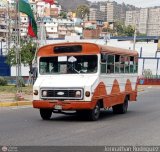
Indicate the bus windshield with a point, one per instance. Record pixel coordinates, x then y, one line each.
68 64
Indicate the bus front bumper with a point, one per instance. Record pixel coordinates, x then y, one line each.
63 105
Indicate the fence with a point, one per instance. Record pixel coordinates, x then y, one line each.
150 80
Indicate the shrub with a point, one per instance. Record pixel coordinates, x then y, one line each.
3 81
21 82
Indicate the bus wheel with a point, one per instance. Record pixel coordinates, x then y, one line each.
121 108
94 113
46 113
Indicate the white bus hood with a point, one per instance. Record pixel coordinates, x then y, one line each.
66 81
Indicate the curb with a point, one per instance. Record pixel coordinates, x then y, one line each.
141 90
17 103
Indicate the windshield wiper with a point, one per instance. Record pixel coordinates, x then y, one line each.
74 69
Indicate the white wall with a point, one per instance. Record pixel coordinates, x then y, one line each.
25 71
149 50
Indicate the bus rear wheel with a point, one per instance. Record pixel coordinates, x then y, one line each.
46 113
121 108
93 114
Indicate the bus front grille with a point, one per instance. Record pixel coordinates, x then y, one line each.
61 94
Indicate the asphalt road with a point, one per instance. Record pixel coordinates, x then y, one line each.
140 126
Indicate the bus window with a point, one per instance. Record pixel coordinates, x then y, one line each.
122 64
117 63
68 64
110 64
103 63
48 65
135 65
44 67
127 60
131 64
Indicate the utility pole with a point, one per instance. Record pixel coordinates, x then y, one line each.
18 49
134 41
8 19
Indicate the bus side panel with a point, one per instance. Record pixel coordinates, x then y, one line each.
99 93
116 97
117 88
131 92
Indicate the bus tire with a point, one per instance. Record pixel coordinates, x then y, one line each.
93 114
46 114
121 108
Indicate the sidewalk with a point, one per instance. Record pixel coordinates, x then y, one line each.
143 87
9 99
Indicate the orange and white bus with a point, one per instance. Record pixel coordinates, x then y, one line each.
84 77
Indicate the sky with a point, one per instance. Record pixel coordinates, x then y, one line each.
137 3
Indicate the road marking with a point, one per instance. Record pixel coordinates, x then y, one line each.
143 92
22 107
14 108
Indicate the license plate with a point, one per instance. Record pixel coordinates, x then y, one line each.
58 107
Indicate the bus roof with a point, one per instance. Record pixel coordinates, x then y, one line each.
119 51
87 48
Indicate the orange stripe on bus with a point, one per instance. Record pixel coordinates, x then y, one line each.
117 96
87 48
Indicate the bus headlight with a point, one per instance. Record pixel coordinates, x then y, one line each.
44 93
35 92
78 93
87 94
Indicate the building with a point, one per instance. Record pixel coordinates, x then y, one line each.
153 25
53 10
113 12
65 28
44 9
96 14
103 8
3 23
51 25
58 28
3 26
145 20
78 26
24 24
132 18
91 29
33 4
41 9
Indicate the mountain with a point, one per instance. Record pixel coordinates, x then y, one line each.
68 5
72 4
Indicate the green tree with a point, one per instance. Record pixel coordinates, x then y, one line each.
140 34
63 15
82 11
27 53
122 30
119 29
129 30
